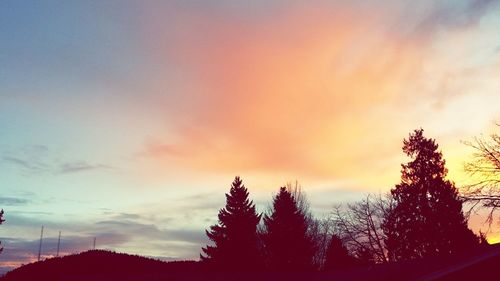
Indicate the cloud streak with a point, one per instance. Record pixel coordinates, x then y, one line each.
12 201
39 159
80 166
465 14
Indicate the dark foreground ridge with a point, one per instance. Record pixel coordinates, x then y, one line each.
105 265
98 265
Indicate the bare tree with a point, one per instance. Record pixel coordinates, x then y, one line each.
359 226
485 167
319 230
300 197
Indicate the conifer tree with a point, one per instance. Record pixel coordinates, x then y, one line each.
288 247
235 236
337 255
427 218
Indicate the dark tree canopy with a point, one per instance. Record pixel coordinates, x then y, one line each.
337 255
427 218
288 245
235 236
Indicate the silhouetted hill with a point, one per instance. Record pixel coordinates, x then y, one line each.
98 265
104 265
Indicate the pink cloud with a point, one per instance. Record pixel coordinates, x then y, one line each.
323 91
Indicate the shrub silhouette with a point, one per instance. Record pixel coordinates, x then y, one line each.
427 218
235 236
288 247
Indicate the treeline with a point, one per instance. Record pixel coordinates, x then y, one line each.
421 217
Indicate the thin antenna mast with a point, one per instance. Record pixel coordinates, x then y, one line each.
40 246
94 242
58 243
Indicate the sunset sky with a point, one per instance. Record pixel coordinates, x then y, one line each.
128 120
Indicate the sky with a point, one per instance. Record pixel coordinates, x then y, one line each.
128 120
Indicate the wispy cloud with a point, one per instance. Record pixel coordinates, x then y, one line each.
463 14
17 161
151 231
37 159
80 166
12 201
31 159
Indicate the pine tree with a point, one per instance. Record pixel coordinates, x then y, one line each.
287 244
427 218
235 236
337 256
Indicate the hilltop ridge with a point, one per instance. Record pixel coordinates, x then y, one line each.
112 266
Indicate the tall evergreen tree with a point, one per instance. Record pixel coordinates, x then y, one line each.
288 246
337 255
235 236
427 218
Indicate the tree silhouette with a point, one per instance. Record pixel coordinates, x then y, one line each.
287 243
427 218
1 221
359 226
337 255
485 163
317 230
235 236
320 231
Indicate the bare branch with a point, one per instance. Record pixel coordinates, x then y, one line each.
359 226
485 164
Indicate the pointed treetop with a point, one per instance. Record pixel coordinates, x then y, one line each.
235 235
428 162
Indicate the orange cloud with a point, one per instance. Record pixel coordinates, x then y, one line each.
312 91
